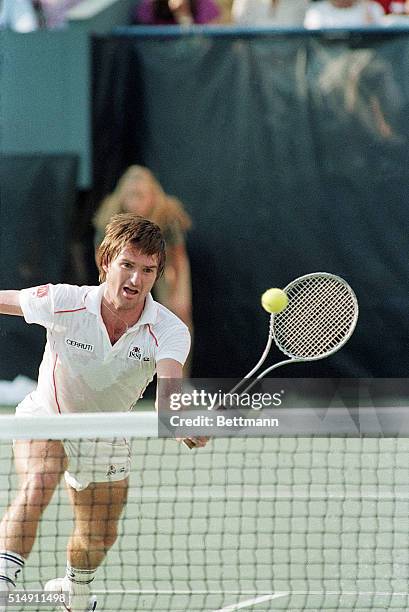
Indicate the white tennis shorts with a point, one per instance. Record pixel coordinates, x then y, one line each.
89 460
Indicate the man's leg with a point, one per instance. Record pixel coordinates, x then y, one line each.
39 465
97 510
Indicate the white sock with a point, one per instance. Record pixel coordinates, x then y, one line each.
77 582
79 578
11 564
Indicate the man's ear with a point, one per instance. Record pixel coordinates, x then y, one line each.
105 265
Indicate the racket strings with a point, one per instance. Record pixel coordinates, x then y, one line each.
298 345
319 317
317 336
322 327
319 329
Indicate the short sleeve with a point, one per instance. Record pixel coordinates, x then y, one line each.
37 305
174 344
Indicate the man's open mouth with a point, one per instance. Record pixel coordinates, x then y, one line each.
129 291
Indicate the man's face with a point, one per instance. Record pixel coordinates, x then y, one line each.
129 278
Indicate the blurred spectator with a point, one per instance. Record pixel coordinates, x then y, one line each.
138 191
18 15
362 93
393 6
269 12
176 12
398 18
343 14
29 15
225 7
54 12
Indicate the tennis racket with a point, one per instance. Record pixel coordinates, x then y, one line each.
320 318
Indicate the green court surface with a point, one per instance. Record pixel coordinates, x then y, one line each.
249 524
6 410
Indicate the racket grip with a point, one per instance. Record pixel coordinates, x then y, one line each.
189 444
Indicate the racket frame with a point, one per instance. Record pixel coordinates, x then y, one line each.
292 358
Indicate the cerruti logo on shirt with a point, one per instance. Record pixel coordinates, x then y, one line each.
80 345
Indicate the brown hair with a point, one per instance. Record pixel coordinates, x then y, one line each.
165 209
130 229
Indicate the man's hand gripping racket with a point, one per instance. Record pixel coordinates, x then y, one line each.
319 319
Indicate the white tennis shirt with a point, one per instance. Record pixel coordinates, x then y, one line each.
81 371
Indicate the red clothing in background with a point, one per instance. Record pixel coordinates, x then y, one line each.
392 6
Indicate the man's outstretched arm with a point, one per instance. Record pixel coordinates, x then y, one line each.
10 303
169 380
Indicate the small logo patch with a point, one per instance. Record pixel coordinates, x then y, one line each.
80 345
42 291
135 353
113 469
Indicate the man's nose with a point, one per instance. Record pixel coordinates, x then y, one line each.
135 276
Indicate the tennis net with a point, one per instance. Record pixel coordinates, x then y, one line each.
286 523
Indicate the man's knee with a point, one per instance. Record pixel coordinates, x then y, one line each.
38 488
104 541
110 538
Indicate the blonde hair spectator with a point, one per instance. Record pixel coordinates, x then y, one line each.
139 188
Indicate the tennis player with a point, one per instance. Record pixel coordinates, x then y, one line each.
104 345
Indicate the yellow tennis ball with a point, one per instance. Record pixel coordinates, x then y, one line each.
274 300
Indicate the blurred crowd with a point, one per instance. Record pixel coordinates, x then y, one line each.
29 15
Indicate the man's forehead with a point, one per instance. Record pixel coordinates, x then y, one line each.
132 253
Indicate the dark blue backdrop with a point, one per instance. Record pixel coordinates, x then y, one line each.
290 151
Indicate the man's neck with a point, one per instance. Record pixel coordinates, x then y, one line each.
115 317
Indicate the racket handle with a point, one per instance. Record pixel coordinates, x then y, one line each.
189 444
